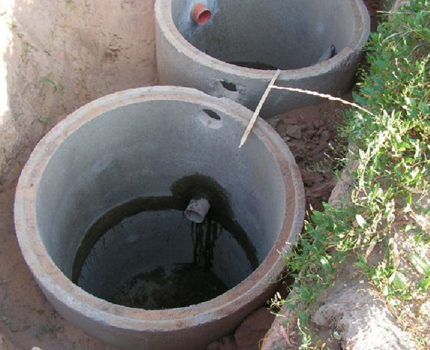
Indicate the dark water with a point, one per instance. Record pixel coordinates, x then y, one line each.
180 285
254 65
173 285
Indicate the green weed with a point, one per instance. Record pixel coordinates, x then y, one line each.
392 147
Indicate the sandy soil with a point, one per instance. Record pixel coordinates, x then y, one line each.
56 56
26 318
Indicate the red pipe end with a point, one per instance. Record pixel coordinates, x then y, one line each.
201 14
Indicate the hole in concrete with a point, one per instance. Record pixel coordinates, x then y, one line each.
212 114
284 34
229 86
146 254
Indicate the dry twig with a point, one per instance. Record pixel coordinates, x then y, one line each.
326 96
302 91
258 109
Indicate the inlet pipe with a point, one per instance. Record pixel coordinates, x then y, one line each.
200 14
197 210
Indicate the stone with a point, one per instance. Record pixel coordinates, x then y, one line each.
252 330
294 131
361 319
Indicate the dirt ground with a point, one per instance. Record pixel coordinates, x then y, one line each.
55 56
26 318
58 55
311 134
373 6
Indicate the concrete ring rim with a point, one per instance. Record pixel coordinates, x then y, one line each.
172 34
58 286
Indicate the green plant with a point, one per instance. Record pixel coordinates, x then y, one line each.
47 329
56 87
392 151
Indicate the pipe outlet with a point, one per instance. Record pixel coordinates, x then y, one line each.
197 210
200 14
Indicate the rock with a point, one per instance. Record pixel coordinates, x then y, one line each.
425 310
294 131
341 194
278 338
325 135
226 343
318 123
323 190
360 319
398 4
251 332
5 344
311 178
273 121
249 335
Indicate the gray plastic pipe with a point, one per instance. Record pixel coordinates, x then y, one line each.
197 210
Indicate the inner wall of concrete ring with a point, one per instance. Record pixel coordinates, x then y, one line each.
136 143
291 35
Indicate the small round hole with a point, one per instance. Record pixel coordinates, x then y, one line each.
212 114
229 86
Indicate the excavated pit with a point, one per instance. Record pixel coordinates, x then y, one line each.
316 44
99 217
